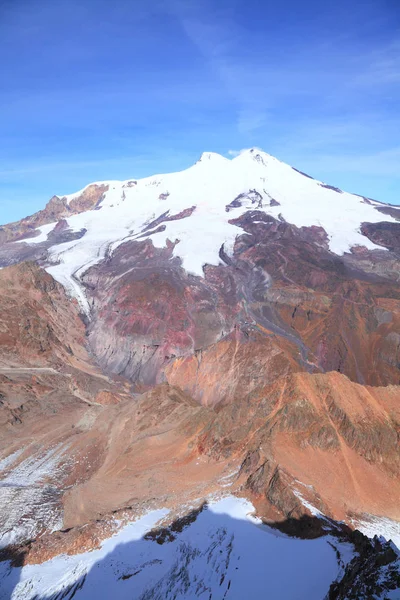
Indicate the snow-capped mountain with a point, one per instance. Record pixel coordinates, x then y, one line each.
194 209
193 347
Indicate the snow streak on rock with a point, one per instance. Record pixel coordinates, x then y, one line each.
29 495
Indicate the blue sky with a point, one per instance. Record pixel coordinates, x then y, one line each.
96 89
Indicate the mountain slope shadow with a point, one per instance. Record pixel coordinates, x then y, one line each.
210 555
10 573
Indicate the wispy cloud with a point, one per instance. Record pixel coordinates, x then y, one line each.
215 34
323 75
382 66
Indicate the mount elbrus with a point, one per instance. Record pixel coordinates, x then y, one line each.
180 350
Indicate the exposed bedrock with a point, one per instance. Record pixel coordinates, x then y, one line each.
56 209
280 281
338 438
384 234
148 310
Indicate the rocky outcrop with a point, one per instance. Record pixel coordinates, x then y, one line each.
330 303
329 313
334 436
373 573
39 325
384 234
147 311
246 361
56 209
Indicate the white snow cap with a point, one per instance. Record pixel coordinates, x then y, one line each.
212 183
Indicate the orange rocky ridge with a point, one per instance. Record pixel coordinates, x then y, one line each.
241 413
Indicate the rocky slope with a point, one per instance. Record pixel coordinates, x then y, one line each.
231 328
57 209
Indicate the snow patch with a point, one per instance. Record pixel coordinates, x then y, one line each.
9 460
29 496
313 510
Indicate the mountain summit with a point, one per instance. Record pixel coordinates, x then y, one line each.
196 210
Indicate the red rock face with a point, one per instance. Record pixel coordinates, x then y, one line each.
232 369
149 311
281 282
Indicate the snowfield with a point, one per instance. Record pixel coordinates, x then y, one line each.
214 182
225 553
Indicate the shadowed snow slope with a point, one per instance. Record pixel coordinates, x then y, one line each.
223 554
